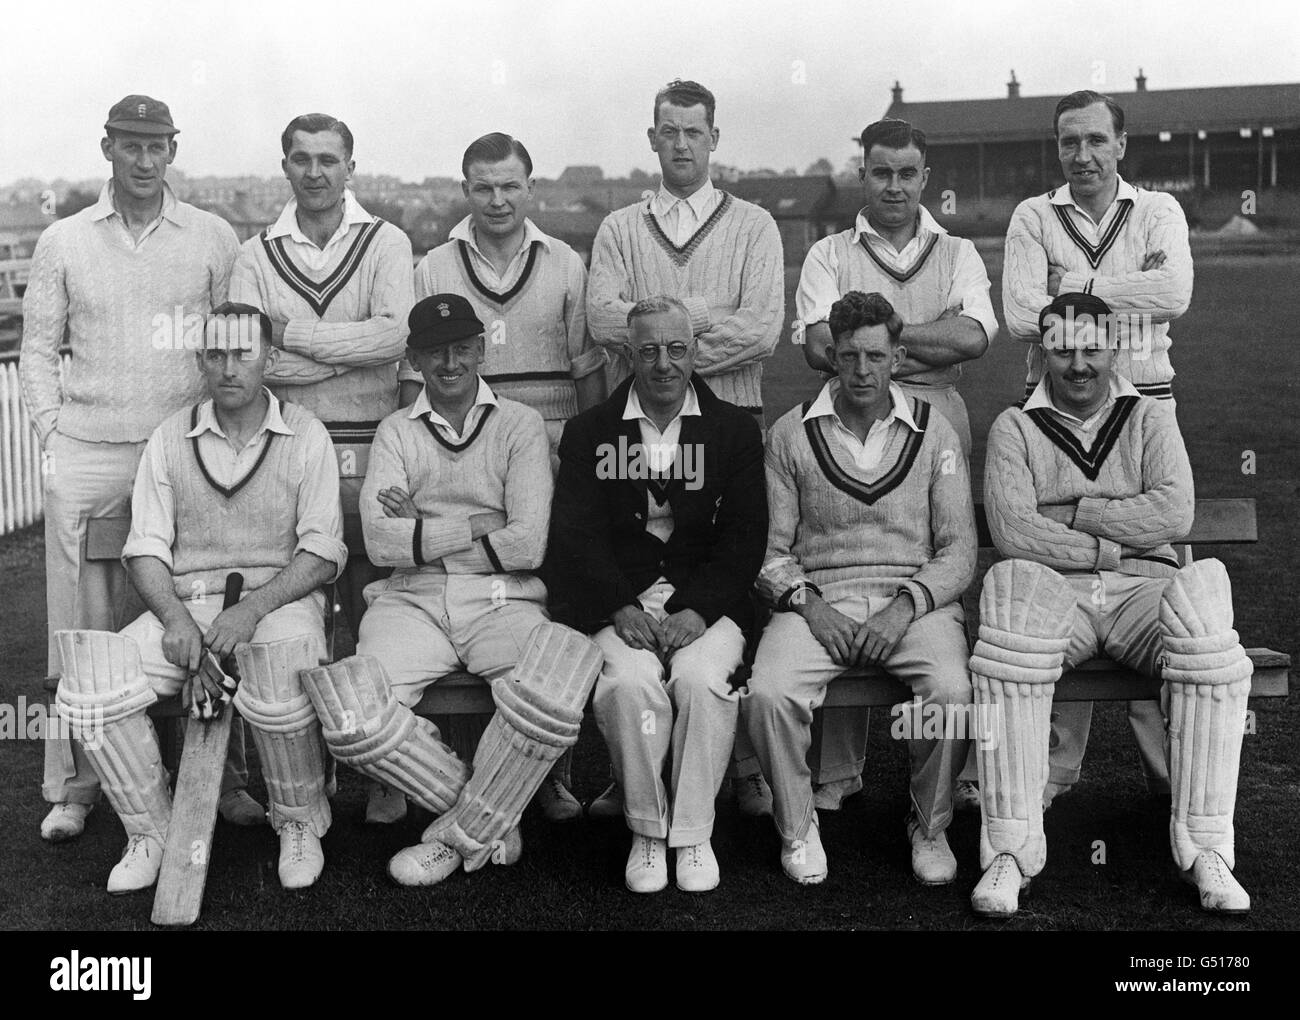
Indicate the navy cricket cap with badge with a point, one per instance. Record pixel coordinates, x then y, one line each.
441 319
141 115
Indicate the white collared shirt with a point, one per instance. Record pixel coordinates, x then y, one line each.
104 209
483 399
226 461
898 259
1090 229
866 453
661 451
680 218
500 282
1042 397
304 249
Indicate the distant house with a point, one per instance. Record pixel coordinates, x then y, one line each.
804 208
581 176
247 215
21 224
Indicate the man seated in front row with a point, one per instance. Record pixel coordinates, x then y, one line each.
871 542
1085 489
239 483
657 533
456 499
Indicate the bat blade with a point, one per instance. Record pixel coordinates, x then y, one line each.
184 875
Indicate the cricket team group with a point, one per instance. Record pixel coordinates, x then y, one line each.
564 485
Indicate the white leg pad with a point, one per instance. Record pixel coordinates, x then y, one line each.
103 694
1207 673
285 729
367 728
1026 614
539 714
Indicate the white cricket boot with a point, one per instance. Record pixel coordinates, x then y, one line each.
647 864
138 869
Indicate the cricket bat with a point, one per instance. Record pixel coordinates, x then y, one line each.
184 874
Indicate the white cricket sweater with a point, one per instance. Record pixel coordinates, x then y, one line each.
730 276
345 328
1039 238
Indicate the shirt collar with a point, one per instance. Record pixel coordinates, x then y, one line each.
825 405
664 199
423 407
464 231
632 410
1063 195
1042 395
171 207
926 224
272 421
286 225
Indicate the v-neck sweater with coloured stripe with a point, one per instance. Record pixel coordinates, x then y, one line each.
730 276
345 328
1040 238
907 523
536 330
1129 480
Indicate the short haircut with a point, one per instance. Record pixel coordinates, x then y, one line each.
856 309
657 305
235 308
1075 306
1085 98
892 134
684 94
494 148
314 123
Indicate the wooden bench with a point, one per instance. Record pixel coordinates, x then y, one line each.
1217 522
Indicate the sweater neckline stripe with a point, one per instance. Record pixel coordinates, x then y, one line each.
227 491
487 292
683 254
890 270
458 447
1105 242
320 294
1088 461
868 492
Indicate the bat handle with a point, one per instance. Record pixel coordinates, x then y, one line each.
234 588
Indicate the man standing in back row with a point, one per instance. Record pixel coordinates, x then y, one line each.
720 257
129 280
336 284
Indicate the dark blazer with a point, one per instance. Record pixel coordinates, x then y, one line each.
599 555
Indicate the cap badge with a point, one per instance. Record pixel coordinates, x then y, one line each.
140 110
444 309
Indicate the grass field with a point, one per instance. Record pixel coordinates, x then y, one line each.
1237 387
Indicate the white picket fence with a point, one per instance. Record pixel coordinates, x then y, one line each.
21 498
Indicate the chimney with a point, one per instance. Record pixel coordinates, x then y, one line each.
1013 87
898 92
1141 81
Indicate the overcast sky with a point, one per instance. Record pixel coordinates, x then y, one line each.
575 79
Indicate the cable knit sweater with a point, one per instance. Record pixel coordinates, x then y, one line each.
1038 240
503 465
345 328
730 276
851 532
130 368
1115 503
